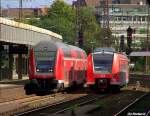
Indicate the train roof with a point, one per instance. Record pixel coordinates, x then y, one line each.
104 49
107 50
75 48
54 45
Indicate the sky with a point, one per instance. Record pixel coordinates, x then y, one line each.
28 3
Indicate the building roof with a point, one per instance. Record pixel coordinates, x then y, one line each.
144 53
28 27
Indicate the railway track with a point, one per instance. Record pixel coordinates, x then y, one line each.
63 106
13 106
140 106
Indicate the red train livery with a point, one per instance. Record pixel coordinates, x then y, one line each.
55 65
106 68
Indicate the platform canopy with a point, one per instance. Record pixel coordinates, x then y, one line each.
144 53
20 33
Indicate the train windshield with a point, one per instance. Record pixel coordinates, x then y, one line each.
103 63
45 61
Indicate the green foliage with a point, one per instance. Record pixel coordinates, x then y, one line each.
32 21
88 25
100 104
63 19
73 107
60 19
142 30
139 63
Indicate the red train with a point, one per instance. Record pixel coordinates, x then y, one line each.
107 69
55 65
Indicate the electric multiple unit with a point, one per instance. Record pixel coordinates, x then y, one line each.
106 69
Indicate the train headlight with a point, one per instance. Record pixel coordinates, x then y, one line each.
50 70
37 70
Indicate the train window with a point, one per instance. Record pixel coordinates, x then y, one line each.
84 55
67 53
45 53
123 65
79 55
103 62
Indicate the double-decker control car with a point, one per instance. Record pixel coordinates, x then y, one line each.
55 65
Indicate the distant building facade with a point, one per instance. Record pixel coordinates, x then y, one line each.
100 2
26 12
122 14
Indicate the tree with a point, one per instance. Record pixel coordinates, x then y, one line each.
89 27
61 19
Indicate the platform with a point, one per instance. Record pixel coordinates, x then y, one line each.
13 83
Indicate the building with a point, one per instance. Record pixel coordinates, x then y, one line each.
122 14
96 3
91 3
26 12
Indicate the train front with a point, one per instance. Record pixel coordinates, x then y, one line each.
41 67
100 70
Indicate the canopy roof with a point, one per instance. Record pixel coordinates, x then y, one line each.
20 33
144 53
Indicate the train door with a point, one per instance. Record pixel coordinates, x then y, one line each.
67 61
79 67
123 71
66 83
73 70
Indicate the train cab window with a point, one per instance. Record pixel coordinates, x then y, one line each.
79 55
45 61
43 65
103 62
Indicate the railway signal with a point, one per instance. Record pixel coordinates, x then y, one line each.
148 2
122 43
80 39
129 37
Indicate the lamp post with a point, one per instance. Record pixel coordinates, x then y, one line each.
147 39
0 8
20 9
